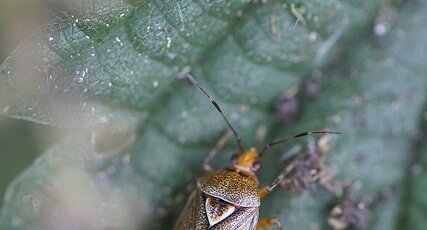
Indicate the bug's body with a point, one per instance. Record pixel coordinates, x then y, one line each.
224 199
229 199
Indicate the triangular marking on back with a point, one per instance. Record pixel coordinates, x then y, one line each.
217 210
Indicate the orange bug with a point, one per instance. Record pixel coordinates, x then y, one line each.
229 198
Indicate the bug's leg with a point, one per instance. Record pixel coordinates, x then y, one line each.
268 222
221 142
266 190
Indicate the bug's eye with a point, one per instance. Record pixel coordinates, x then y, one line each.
234 158
256 166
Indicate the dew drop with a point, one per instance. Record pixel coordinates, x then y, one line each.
168 45
312 36
380 29
155 84
103 119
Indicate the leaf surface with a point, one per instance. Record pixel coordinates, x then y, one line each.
118 66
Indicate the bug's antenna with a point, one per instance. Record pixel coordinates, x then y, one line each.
267 146
215 104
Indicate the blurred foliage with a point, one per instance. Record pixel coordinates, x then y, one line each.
108 75
21 142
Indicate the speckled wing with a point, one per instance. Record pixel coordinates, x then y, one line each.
194 216
241 219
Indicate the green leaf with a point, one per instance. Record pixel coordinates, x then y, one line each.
113 71
129 54
377 100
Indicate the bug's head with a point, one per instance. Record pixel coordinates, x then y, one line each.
248 160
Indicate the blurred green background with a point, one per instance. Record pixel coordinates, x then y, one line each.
20 141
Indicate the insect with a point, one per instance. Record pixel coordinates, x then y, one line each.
229 198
